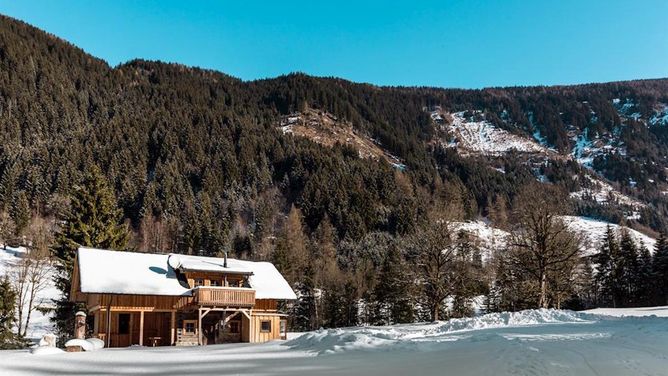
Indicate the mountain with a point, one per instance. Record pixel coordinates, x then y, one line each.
217 161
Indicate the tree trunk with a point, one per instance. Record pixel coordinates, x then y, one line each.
543 291
434 314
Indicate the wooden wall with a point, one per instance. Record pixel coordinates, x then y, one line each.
132 302
266 305
256 335
233 280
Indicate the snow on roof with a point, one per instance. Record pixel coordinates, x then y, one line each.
213 264
115 272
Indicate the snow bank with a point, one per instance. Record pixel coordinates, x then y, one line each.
327 341
631 312
96 342
46 350
85 345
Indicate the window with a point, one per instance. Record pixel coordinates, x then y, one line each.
234 326
189 326
199 282
124 323
215 282
265 326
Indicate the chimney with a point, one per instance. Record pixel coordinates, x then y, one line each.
225 262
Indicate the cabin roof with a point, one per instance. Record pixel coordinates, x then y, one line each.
115 272
212 264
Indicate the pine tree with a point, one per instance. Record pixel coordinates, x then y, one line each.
605 274
660 269
630 270
91 221
645 281
393 291
8 339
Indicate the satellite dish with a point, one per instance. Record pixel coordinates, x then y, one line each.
174 261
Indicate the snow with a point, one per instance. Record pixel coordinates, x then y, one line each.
482 137
96 342
113 272
593 231
487 238
534 342
631 312
46 350
40 323
603 193
85 345
104 271
660 116
490 239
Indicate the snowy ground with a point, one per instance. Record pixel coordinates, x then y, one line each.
40 324
537 342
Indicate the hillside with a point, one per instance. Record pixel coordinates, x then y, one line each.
324 175
174 138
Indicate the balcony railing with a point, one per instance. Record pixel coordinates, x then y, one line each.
219 297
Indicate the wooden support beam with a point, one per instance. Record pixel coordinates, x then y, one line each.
108 329
141 328
230 317
199 327
173 328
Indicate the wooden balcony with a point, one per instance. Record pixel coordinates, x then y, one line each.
210 296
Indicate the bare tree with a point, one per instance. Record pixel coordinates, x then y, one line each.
434 252
541 244
31 275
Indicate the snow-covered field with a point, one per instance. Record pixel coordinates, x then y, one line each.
537 342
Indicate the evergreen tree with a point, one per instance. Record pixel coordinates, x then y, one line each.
631 279
303 312
606 269
393 291
93 220
660 269
645 280
8 339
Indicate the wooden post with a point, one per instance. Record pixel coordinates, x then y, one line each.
141 328
80 325
108 330
96 322
173 328
199 327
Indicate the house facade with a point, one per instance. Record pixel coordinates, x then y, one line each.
162 300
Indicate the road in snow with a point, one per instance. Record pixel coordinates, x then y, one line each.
537 342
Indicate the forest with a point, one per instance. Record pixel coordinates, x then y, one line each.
160 157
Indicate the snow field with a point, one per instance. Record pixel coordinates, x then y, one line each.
534 342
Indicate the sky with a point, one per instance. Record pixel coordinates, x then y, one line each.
447 43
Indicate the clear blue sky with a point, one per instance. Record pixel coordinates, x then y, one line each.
445 43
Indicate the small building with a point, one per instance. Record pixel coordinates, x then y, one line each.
161 300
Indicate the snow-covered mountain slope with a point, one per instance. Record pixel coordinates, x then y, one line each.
471 134
490 239
40 323
593 231
487 238
534 342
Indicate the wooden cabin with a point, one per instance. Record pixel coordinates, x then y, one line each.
161 300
